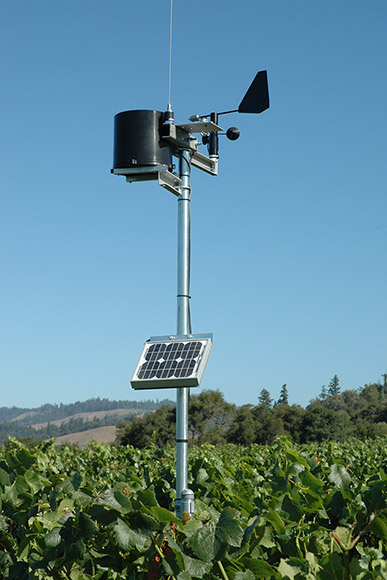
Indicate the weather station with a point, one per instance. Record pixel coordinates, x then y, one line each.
145 145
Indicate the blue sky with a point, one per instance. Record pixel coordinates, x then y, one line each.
288 242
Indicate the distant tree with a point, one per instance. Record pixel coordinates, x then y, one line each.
371 413
373 393
265 399
284 397
333 388
322 424
352 401
140 430
242 429
268 426
316 402
324 393
137 433
292 418
335 403
209 417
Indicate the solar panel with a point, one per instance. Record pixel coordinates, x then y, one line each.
172 362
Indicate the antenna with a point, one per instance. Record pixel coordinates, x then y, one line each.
170 57
145 143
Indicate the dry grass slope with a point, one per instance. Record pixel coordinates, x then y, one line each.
100 434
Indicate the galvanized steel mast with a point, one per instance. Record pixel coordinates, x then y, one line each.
184 496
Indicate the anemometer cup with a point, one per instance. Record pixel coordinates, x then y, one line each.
233 133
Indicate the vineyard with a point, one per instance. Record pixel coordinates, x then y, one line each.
284 511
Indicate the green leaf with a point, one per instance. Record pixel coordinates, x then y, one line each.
204 544
342 536
33 480
196 568
380 567
379 525
123 500
201 476
87 527
313 483
295 458
76 481
103 515
266 538
74 550
170 566
339 476
127 538
162 515
184 576
53 538
190 527
248 575
332 566
21 486
26 458
288 570
5 560
3 524
274 518
357 571
335 504
19 571
172 544
147 497
260 568
24 549
250 529
108 498
64 511
375 495
142 522
228 529
4 477
66 505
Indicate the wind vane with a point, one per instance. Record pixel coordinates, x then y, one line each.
145 143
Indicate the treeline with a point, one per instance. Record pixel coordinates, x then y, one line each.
74 425
77 425
52 412
16 430
333 415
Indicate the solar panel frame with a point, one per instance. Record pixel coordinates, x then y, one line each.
172 361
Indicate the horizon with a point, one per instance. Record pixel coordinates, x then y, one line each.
194 391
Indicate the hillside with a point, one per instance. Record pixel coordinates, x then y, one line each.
100 434
62 420
91 416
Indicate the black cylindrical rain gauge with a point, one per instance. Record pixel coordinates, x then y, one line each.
138 141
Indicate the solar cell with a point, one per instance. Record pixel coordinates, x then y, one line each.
171 363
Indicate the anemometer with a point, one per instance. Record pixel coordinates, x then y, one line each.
145 145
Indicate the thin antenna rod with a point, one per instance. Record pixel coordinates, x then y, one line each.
170 58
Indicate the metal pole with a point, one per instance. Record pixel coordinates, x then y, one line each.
184 496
